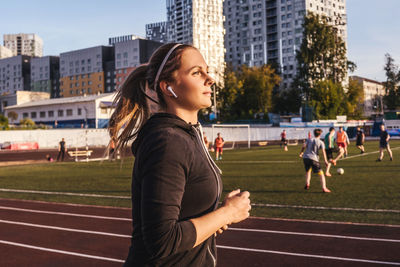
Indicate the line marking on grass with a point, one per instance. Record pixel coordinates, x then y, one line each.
63 228
366 154
60 251
255 161
322 208
317 235
308 255
66 214
61 193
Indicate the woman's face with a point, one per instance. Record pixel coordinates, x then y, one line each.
192 84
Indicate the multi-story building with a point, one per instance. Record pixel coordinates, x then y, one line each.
270 31
123 38
15 74
200 23
20 97
130 54
373 95
28 44
5 52
92 111
84 71
45 75
157 31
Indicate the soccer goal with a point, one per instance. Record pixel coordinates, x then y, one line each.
233 134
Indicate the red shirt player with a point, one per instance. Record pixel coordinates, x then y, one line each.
219 144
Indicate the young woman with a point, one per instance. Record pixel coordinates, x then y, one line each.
176 187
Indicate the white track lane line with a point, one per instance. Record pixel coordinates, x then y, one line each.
60 251
66 214
61 193
308 255
223 247
256 161
64 229
323 208
232 229
317 235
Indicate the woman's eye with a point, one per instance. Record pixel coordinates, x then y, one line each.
196 72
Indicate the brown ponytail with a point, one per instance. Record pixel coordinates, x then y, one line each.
131 110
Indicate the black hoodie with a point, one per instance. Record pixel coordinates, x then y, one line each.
174 179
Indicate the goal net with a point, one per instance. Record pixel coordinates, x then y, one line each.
234 135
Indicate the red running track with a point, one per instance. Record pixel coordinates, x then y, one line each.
47 234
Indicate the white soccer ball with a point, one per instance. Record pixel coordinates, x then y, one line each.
340 171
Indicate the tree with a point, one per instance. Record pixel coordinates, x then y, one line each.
392 88
247 92
322 66
354 104
12 115
327 99
3 121
27 122
287 101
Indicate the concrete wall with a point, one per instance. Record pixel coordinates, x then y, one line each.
99 137
50 138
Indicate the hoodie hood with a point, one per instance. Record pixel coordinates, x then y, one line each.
159 121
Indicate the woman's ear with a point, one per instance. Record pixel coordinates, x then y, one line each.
163 87
165 91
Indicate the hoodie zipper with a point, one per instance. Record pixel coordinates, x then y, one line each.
214 166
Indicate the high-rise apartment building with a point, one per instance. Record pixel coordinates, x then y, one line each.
45 75
84 71
15 74
28 44
5 52
200 23
157 31
265 31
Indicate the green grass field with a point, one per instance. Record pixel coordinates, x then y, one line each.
369 190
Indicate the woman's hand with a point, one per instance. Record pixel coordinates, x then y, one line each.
237 205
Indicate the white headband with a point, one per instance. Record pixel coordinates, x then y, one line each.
162 65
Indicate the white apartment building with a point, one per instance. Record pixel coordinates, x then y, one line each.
92 111
373 95
200 23
266 31
28 44
5 52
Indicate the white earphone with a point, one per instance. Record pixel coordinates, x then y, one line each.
172 91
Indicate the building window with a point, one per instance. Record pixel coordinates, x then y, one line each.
50 113
60 113
33 115
79 111
69 112
25 115
42 114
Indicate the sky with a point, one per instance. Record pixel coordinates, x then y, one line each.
373 26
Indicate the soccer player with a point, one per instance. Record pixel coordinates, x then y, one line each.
284 141
342 141
384 144
311 159
360 138
219 144
329 146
